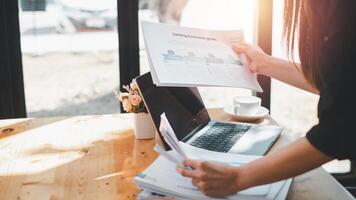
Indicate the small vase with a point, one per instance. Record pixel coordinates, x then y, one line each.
144 126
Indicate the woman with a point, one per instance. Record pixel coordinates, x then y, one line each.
327 47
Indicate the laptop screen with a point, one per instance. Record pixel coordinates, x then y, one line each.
183 106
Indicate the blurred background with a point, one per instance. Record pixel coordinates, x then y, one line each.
70 54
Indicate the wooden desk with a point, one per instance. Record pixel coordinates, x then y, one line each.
96 157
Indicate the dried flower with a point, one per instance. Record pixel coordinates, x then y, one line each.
127 105
135 100
134 86
123 95
131 99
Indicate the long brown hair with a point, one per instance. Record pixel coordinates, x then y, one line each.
302 23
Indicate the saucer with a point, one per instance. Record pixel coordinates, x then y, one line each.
261 113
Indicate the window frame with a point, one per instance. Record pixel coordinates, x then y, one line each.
264 40
128 30
12 98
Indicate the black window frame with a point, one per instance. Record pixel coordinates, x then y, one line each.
264 40
12 98
128 30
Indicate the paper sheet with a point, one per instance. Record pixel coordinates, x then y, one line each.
181 56
171 139
161 177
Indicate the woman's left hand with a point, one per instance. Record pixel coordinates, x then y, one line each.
213 179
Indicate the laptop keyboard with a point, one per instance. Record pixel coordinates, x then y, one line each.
220 137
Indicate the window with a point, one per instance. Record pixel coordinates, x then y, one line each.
209 14
70 56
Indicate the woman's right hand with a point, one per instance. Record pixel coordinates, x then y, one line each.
214 179
253 57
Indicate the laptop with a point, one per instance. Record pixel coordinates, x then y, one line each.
190 120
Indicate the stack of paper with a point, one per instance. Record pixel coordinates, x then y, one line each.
161 181
181 56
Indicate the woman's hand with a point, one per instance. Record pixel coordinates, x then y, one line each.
213 179
252 56
261 63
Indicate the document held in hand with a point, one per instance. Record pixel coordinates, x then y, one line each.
181 56
161 180
172 140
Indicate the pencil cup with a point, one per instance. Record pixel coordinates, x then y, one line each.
144 127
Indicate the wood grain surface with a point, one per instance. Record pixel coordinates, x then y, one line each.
96 157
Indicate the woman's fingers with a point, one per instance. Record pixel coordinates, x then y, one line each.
191 173
195 182
247 62
244 59
240 47
213 179
192 163
194 168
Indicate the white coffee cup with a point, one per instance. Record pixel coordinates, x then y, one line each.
246 105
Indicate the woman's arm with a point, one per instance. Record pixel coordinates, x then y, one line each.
261 63
287 72
295 159
219 180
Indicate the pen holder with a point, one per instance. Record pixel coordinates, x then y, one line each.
144 127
